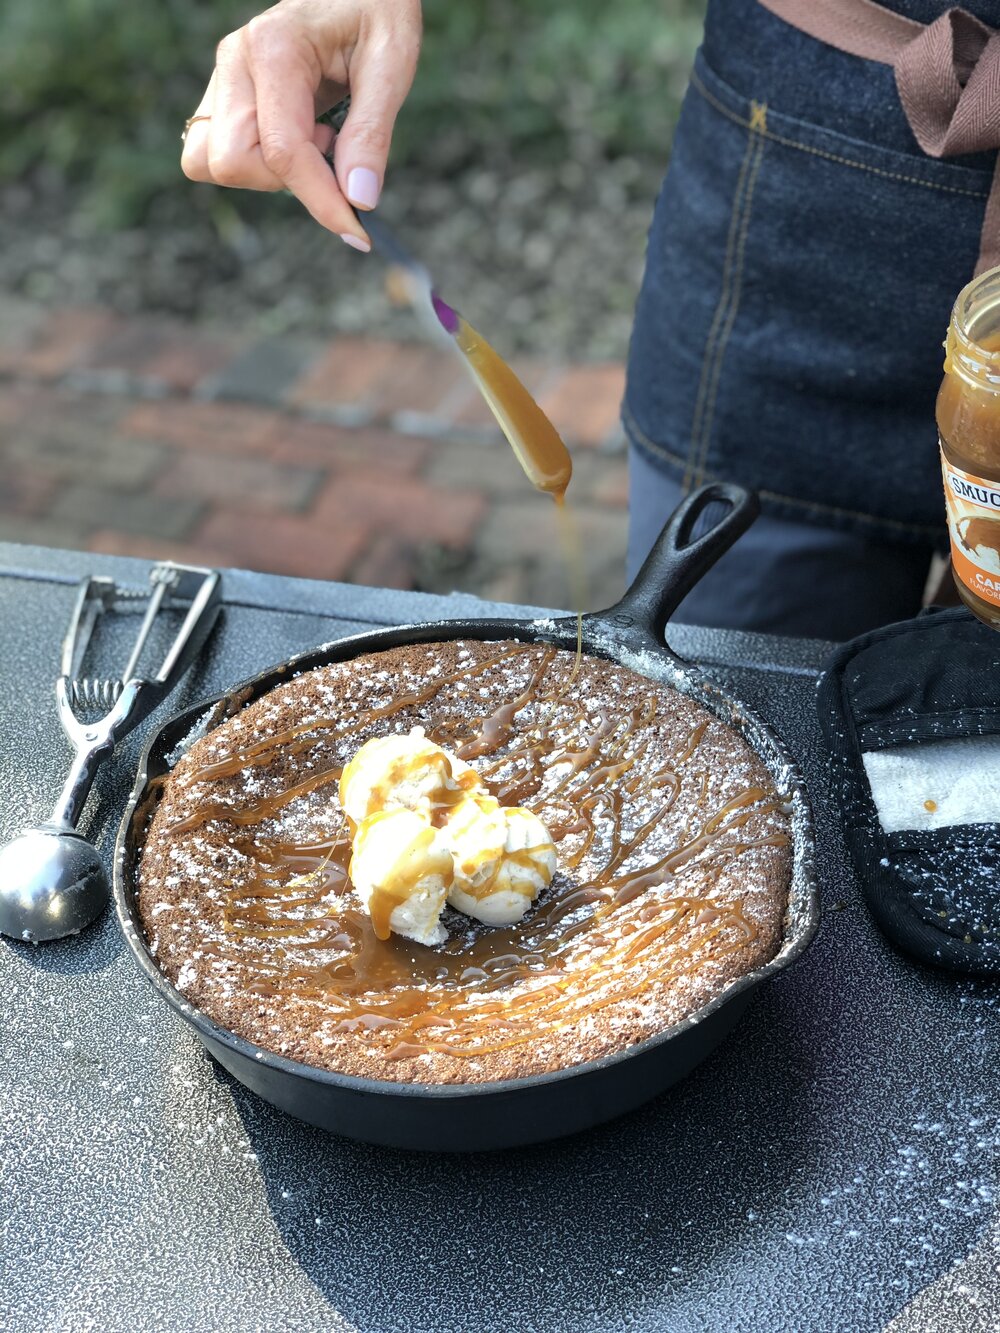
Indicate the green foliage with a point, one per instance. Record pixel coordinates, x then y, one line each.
586 78
95 92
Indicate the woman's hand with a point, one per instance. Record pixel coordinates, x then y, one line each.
273 78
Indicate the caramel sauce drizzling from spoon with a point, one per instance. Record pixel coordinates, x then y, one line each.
536 443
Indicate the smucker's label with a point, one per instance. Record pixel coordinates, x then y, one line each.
973 505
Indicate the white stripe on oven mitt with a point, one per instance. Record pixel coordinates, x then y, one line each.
960 777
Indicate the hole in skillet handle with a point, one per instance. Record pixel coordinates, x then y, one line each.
678 560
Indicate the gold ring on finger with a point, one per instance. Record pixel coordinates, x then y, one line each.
191 120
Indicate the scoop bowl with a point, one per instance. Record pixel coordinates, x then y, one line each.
52 883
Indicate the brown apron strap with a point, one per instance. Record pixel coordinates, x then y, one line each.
859 27
947 75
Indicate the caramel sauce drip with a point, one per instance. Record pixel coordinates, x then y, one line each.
398 884
303 738
298 930
537 446
526 859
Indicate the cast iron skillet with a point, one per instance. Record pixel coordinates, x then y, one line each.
516 1111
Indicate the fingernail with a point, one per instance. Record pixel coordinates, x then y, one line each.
362 187
355 241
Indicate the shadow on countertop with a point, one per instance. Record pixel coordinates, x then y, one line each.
584 1232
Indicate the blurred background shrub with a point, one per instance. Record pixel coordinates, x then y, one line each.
92 91
524 169
518 106
95 89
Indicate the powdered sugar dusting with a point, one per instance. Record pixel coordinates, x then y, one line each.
674 926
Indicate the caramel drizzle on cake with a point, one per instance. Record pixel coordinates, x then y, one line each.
590 773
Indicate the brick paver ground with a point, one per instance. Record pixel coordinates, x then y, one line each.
352 459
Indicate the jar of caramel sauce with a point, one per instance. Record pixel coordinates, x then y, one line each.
968 418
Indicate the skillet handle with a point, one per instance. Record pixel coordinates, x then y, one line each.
675 564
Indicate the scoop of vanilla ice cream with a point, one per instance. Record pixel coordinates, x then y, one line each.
401 870
476 832
403 773
427 829
525 867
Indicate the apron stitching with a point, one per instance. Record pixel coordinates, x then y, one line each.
930 530
639 435
718 316
877 171
652 446
758 128
832 157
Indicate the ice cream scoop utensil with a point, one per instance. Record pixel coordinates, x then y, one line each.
52 881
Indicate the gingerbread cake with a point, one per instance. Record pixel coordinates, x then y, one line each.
673 865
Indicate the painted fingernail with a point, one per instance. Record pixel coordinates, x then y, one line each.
362 187
355 241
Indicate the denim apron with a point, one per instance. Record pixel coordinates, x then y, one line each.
802 263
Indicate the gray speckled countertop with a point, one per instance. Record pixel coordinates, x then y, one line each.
831 1167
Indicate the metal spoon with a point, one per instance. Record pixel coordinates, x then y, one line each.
52 881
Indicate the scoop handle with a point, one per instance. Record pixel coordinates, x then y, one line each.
73 797
93 742
676 563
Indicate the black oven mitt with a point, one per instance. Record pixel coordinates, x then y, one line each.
911 713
